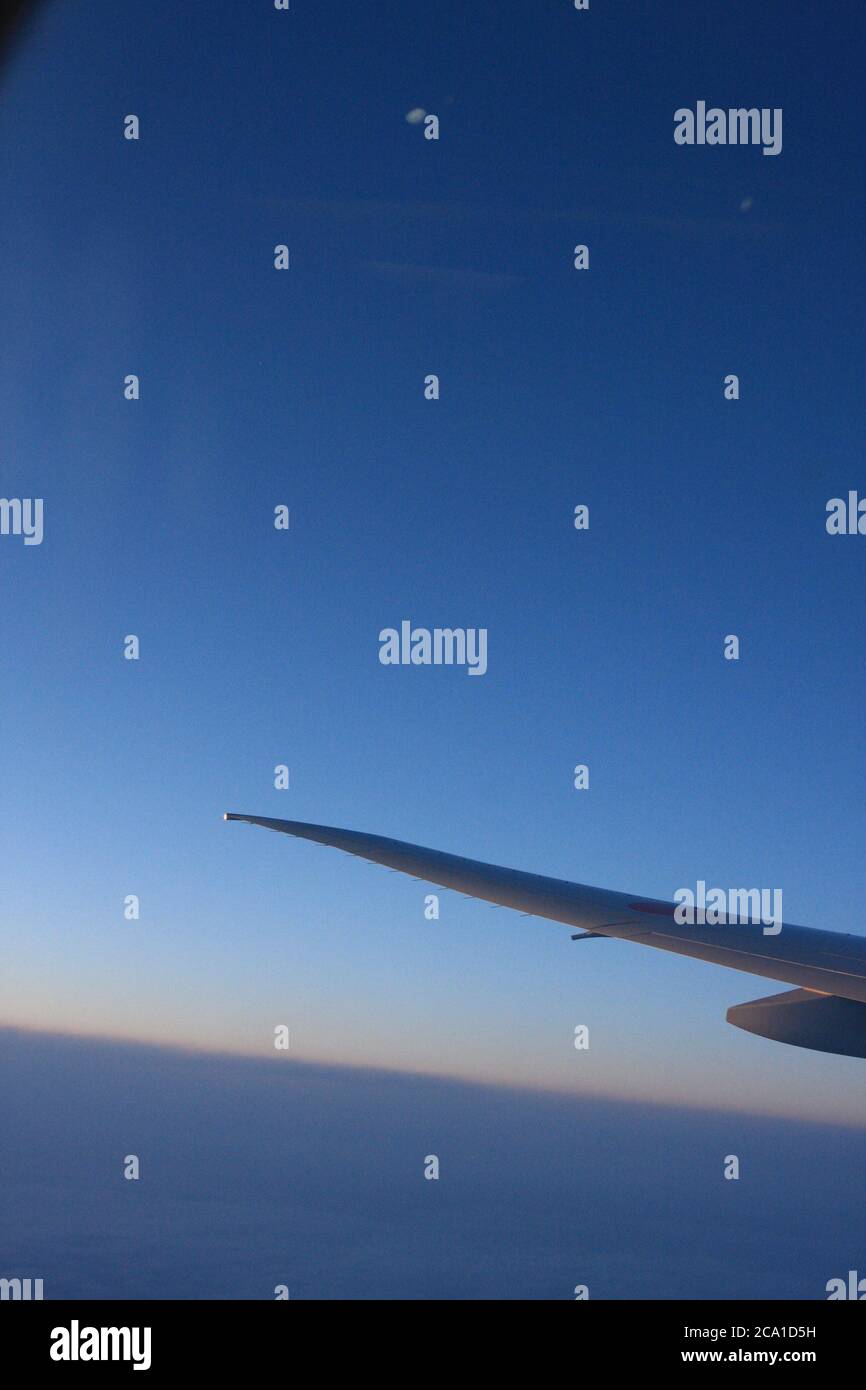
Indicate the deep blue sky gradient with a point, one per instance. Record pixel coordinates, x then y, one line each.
258 647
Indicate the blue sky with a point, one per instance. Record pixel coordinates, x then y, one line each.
306 388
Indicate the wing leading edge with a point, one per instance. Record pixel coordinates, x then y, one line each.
824 962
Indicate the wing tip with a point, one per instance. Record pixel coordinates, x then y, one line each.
290 827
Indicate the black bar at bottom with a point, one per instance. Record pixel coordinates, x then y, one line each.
155 1338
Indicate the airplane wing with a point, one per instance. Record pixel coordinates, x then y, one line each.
826 1012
